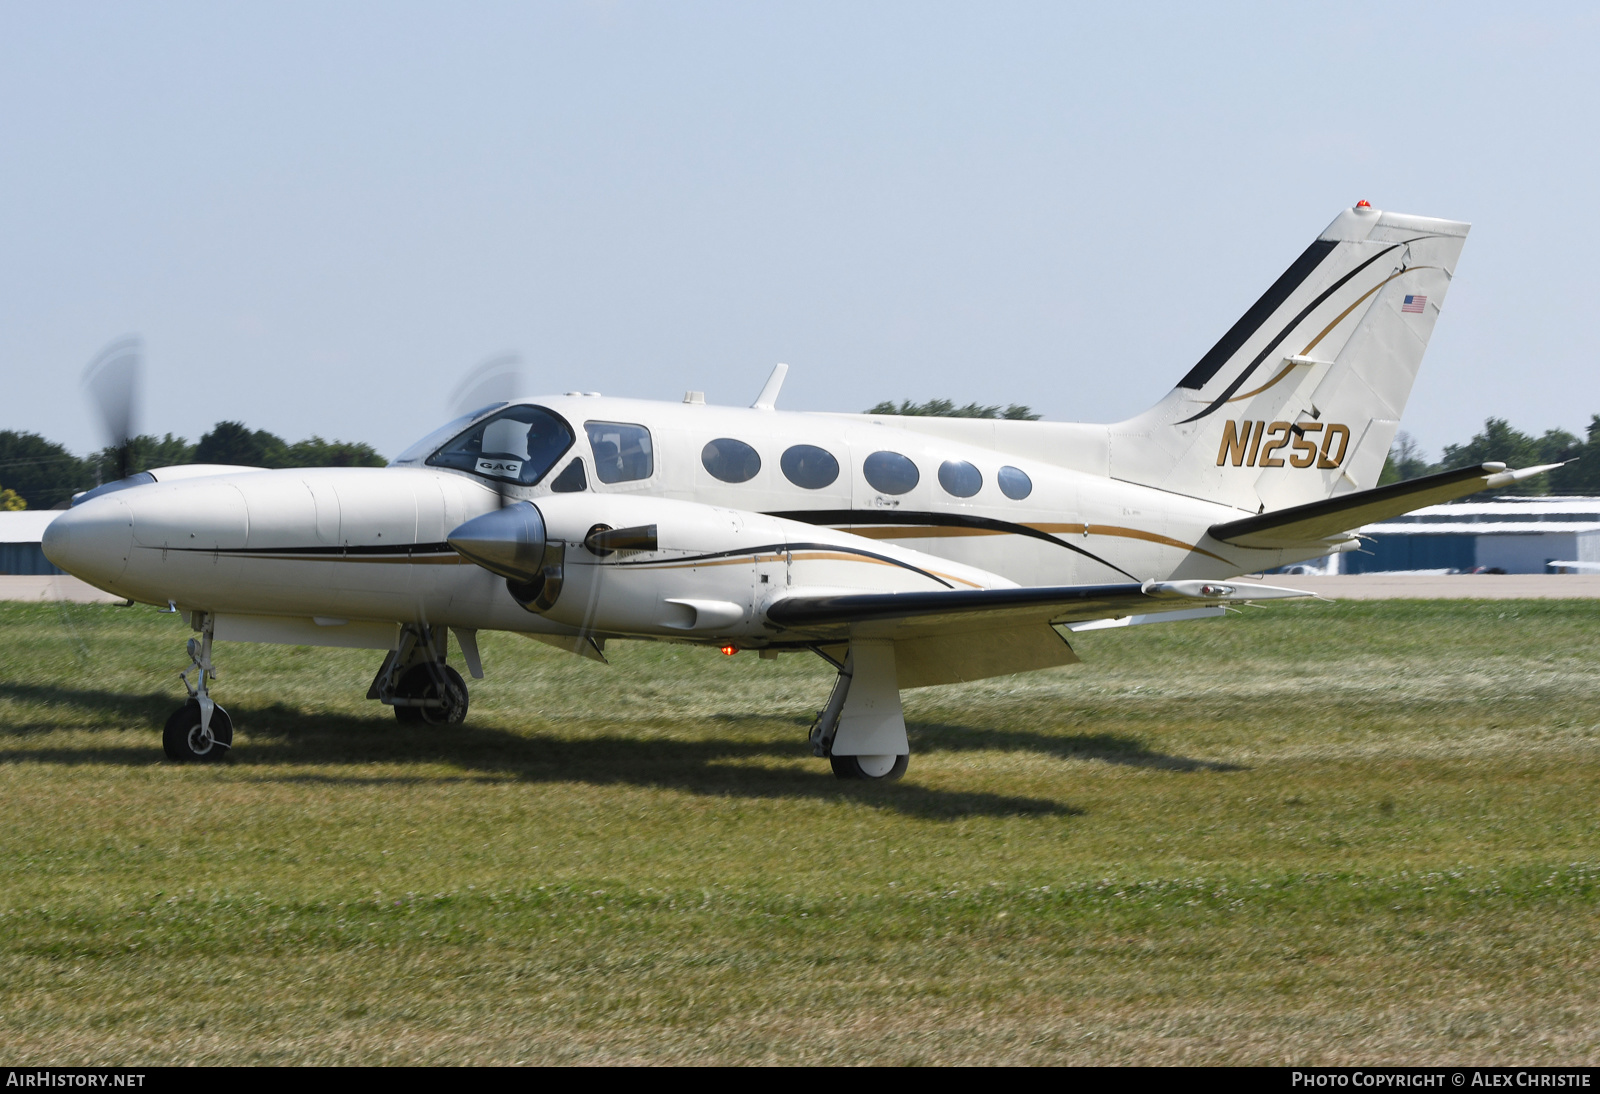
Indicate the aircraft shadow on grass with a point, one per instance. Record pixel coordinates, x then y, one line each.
278 738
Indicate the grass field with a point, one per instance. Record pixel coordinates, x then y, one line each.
1317 833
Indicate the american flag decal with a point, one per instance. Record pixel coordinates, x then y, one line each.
1414 304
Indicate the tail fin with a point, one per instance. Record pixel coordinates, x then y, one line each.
1300 400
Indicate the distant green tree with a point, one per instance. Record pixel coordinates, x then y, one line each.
1405 461
1499 442
944 408
317 452
232 442
1583 475
44 474
10 502
145 453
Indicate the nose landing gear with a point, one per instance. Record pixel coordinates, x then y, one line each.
200 730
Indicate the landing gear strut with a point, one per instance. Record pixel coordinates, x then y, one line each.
862 730
200 729
415 680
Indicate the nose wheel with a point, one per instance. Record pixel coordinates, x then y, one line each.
188 737
199 730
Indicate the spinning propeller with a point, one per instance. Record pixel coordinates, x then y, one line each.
112 380
500 379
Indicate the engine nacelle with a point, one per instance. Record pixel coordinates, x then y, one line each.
617 564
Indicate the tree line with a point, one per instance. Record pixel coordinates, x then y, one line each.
1499 442
37 473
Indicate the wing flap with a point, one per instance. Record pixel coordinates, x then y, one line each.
979 654
1306 525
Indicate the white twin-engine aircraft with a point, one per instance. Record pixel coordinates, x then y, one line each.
906 551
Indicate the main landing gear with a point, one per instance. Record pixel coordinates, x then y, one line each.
415 680
200 729
862 730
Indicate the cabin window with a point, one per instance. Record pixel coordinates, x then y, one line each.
809 467
570 481
622 453
518 445
890 472
959 478
1014 483
730 460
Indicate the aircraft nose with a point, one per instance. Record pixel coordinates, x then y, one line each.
92 540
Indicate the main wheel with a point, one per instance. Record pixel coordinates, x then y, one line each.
878 768
183 739
424 682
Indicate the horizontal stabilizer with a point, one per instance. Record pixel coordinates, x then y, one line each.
1320 520
956 610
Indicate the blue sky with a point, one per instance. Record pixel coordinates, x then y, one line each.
321 216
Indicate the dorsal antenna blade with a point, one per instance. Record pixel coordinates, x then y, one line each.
768 399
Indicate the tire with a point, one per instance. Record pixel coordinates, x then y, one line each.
849 767
182 741
422 682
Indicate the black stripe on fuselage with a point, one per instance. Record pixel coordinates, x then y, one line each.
835 517
1238 381
385 550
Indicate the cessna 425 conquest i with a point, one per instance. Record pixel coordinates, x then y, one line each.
906 551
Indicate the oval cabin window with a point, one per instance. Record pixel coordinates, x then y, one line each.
809 467
890 472
959 478
730 460
1014 483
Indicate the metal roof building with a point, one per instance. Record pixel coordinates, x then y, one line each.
1516 535
20 534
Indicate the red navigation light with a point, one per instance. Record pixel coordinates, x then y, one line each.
729 651
1363 204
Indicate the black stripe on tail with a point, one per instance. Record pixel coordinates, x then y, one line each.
1258 314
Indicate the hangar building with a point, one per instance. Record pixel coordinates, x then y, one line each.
1518 535
20 534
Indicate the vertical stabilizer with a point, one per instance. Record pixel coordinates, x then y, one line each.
1300 400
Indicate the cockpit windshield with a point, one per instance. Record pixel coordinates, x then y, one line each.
424 448
519 445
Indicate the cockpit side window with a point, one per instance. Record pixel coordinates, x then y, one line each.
518 445
622 453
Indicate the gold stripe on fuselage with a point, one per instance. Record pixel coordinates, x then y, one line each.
802 556
936 531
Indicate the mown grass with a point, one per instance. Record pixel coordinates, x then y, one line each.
1317 833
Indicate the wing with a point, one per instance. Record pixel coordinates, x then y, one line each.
892 614
1307 525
